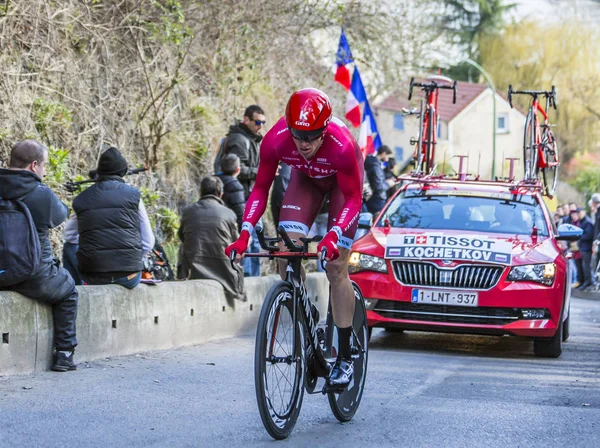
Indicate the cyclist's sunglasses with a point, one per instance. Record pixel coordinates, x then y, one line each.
307 136
258 122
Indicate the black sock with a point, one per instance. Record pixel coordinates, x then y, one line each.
344 342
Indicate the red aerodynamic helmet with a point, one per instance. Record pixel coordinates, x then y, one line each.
307 114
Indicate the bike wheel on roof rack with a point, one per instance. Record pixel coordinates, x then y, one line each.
550 171
530 148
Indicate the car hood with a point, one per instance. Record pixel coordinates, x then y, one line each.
519 249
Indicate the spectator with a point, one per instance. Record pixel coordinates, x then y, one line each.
558 216
243 140
574 248
207 228
594 207
585 247
69 255
111 227
388 172
280 184
233 191
50 284
377 181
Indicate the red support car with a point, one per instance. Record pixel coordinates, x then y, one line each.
470 257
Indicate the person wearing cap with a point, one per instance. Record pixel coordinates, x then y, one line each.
377 180
110 226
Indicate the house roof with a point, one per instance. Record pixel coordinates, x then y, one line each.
465 95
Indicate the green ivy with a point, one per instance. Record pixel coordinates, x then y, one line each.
48 114
57 170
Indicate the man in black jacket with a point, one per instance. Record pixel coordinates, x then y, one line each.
243 140
585 246
51 284
379 184
111 226
233 191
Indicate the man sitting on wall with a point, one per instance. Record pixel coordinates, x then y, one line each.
207 228
111 227
50 283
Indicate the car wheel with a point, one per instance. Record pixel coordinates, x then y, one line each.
549 347
565 330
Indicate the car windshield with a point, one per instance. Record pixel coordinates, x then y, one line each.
444 210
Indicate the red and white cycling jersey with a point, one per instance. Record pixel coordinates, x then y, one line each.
338 156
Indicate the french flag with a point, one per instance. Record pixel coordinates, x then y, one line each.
368 138
343 58
356 95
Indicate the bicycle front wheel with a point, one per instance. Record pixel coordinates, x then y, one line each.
279 362
550 171
345 404
530 148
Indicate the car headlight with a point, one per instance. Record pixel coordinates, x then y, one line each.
363 262
539 273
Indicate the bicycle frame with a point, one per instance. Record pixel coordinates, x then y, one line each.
425 146
300 296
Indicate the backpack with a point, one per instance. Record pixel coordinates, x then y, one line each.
20 249
221 152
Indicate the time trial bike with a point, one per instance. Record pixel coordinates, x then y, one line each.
292 351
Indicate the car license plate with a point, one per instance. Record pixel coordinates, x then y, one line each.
435 297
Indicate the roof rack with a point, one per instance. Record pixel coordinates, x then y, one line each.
463 177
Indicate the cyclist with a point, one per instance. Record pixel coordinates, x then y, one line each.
324 158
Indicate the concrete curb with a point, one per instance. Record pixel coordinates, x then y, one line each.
114 321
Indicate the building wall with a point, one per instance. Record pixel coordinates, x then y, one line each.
470 134
395 138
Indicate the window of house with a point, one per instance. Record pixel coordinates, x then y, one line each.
399 122
502 123
399 153
442 130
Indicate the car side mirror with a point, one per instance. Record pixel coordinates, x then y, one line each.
569 232
365 220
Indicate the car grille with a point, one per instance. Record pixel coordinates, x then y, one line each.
393 309
462 277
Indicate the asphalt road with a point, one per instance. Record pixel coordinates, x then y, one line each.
423 390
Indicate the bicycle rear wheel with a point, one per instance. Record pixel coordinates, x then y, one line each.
345 404
550 171
279 362
530 148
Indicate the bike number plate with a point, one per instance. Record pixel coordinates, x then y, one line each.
441 297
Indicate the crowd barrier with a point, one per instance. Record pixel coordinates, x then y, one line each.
114 321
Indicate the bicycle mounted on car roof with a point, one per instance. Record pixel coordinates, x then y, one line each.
289 341
540 152
424 155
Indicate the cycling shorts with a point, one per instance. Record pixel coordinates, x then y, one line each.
303 200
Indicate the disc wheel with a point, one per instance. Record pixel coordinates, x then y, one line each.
279 362
345 404
550 171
